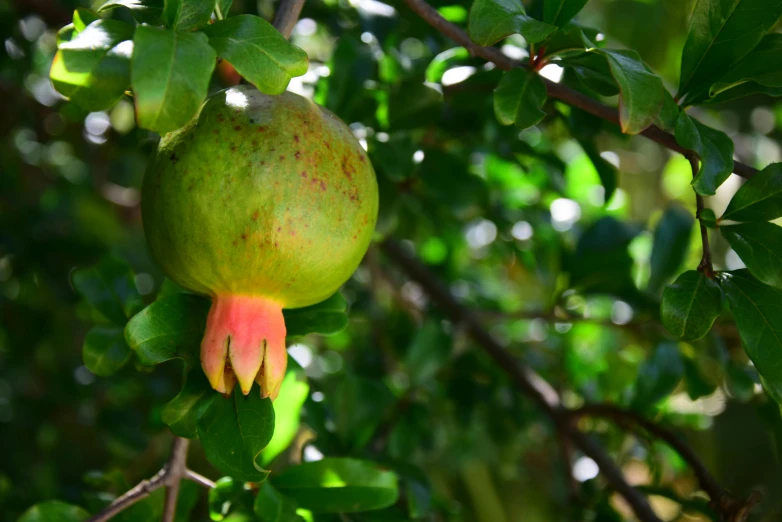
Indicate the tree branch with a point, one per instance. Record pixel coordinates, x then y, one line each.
729 509
555 90
523 377
199 479
170 476
287 15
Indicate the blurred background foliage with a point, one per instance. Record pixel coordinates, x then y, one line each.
516 224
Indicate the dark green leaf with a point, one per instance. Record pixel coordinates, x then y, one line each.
759 199
559 12
715 149
230 500
93 68
109 287
336 485
721 33
759 245
658 376
181 412
593 72
428 353
258 52
762 65
144 11
601 262
105 351
641 93
697 382
54 511
170 73
671 243
222 7
170 327
326 318
690 305
66 34
360 405
742 90
234 431
757 308
413 104
287 412
708 218
492 20
569 40
669 113
82 18
272 506
187 15
519 98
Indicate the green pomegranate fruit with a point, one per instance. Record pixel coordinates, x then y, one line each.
263 203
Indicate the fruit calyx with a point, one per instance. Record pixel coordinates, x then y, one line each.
245 342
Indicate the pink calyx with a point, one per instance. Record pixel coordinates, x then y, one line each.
244 341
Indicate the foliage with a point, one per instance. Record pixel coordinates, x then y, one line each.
580 250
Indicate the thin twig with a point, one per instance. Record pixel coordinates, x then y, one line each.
287 15
555 90
705 265
523 377
199 479
729 508
170 476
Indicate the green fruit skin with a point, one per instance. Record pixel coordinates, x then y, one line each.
260 195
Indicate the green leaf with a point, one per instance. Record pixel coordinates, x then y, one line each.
144 11
234 431
326 318
287 410
658 376
109 287
104 351
759 199
757 308
54 511
187 15
181 412
708 218
82 18
230 500
721 33
715 149
93 68
605 170
414 104
519 98
763 65
492 20
669 113
337 485
170 74
258 52
569 40
429 352
671 243
593 72
641 92
168 328
691 305
272 506
759 245
222 7
560 12
601 262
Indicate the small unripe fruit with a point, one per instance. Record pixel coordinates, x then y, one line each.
263 203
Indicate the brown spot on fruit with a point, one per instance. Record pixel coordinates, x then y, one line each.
174 157
216 131
279 228
296 137
261 129
257 213
237 127
298 154
244 236
282 158
303 173
233 148
322 185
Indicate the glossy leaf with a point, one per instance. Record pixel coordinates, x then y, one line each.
54 511
93 68
492 20
757 308
559 12
691 305
721 33
669 113
708 218
338 485
168 328
593 72
671 243
187 15
234 431
287 412
272 506
763 65
327 317
759 199
519 98
258 52
109 287
658 376
144 11
170 74
641 93
105 351
759 245
181 412
82 18
714 148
